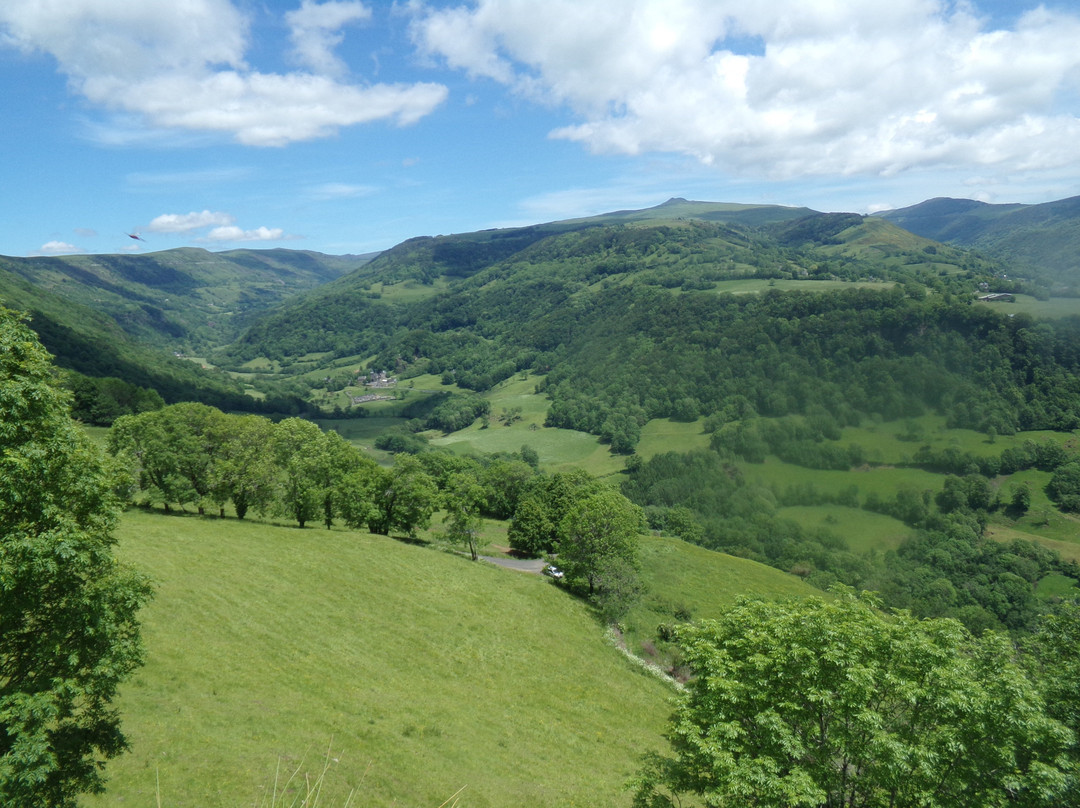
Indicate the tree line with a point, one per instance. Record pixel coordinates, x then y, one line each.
192 455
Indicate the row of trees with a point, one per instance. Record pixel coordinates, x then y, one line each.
194 455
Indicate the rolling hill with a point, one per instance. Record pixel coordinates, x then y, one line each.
1037 240
185 299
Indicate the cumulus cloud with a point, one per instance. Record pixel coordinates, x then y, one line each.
785 88
186 222
182 66
58 248
233 233
316 32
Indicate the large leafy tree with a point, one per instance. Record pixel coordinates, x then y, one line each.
68 628
598 532
339 461
402 497
831 703
297 449
463 499
243 468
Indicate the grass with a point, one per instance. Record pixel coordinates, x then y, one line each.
425 673
682 577
745 286
1053 308
862 530
664 435
559 449
428 671
1057 586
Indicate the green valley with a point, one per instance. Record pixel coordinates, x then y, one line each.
674 407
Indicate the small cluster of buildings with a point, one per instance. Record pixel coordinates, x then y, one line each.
376 378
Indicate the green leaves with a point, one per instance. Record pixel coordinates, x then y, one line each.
596 530
823 703
68 628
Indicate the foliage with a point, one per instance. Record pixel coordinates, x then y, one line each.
403 497
1064 487
68 628
192 453
598 530
102 400
830 703
463 499
542 504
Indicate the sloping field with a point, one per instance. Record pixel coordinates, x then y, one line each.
424 673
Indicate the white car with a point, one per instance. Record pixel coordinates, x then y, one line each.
554 572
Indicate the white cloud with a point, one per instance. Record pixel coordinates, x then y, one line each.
315 32
186 222
340 190
825 87
58 248
182 66
233 233
187 179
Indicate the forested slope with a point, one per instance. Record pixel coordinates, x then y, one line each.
186 298
631 323
1041 241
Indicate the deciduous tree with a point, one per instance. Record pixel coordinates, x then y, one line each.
831 703
597 529
68 628
402 497
463 498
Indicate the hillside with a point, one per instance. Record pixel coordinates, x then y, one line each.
184 299
422 671
86 340
608 304
1041 241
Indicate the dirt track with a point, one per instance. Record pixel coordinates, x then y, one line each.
533 565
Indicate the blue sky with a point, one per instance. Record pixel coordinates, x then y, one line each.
348 126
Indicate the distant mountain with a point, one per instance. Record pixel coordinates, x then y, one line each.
477 307
90 342
187 299
678 208
1039 240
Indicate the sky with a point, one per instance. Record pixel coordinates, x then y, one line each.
348 126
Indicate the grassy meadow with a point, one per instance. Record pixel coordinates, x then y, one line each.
421 671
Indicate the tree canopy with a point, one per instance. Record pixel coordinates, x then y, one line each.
68 628
829 703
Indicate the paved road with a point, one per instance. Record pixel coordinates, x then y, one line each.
533 565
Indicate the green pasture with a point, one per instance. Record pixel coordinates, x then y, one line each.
745 286
884 481
423 672
559 449
409 291
664 435
1054 308
1057 586
1069 550
861 530
682 577
897 441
